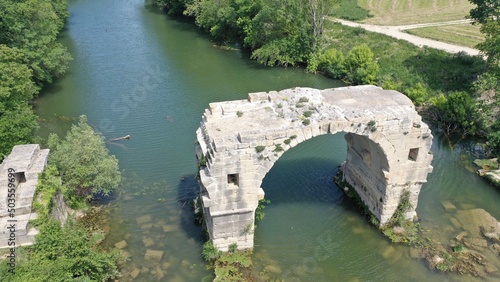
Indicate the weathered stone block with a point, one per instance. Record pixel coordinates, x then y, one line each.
135 273
153 255
120 245
143 219
148 242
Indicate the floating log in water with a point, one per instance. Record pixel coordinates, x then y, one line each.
120 138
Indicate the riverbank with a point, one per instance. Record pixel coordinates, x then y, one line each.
490 170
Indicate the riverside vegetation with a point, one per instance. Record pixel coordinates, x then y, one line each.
454 258
31 57
81 169
454 91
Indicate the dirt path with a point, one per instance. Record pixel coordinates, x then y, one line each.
397 32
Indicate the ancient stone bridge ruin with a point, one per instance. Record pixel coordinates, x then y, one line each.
388 150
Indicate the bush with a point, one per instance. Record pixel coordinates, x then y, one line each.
278 148
361 65
259 149
456 112
259 212
65 254
49 184
210 252
331 62
390 84
313 62
418 94
494 142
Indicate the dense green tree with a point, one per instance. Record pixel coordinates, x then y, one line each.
174 7
283 32
487 14
318 10
17 126
280 34
219 18
29 57
33 26
16 84
485 10
84 162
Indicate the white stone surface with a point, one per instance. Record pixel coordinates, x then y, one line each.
388 150
27 161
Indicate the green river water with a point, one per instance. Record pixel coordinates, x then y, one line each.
138 72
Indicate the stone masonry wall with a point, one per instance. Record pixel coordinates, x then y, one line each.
239 142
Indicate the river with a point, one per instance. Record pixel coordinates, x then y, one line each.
141 73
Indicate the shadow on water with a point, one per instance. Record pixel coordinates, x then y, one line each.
316 186
188 190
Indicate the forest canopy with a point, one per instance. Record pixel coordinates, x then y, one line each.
30 57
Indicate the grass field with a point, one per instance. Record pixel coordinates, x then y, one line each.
403 65
462 34
402 12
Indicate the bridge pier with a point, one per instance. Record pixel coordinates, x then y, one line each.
238 142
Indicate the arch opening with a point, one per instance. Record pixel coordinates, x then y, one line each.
310 222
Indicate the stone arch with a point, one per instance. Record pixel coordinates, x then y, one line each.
239 142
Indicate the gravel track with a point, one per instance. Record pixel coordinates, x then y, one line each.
397 32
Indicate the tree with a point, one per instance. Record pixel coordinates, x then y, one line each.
487 14
318 10
17 126
84 162
16 84
17 121
33 26
174 7
485 10
280 33
29 57
219 18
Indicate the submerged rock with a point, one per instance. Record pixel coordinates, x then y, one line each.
448 206
148 242
434 261
143 219
476 222
399 230
489 170
135 273
273 269
120 245
153 255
